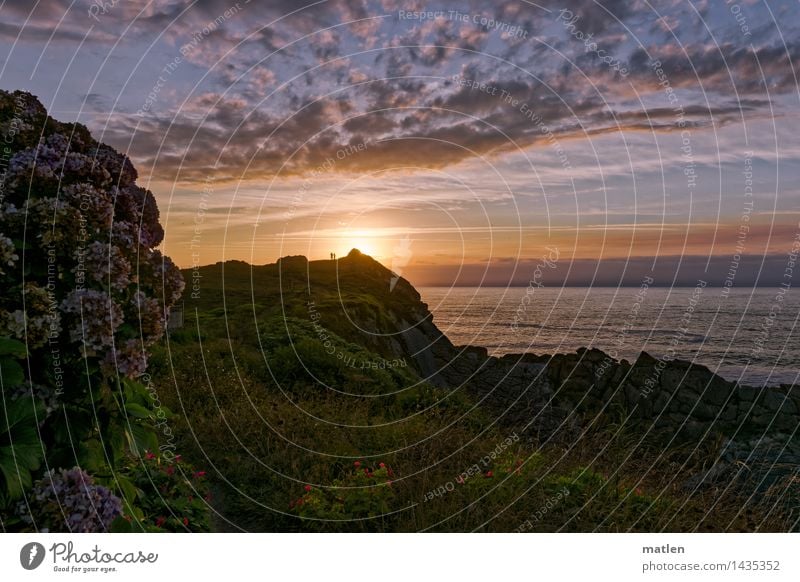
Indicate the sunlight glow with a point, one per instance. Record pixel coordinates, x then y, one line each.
369 242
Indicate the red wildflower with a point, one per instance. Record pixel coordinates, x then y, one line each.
489 474
382 465
177 458
160 521
357 464
149 456
170 470
199 474
186 521
307 487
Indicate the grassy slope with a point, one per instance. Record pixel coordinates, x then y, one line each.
266 408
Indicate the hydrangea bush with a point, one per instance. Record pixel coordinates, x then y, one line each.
84 289
90 276
70 501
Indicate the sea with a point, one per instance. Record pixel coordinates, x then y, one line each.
751 336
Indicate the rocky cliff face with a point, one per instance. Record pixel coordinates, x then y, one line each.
552 398
558 396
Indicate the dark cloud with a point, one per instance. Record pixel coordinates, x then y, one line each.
725 69
404 101
31 33
595 16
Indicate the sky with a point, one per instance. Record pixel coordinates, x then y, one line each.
456 142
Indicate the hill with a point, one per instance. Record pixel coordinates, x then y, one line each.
322 399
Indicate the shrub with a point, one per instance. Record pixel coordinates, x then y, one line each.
362 492
170 495
85 295
70 501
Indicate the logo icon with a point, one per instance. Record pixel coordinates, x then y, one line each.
31 555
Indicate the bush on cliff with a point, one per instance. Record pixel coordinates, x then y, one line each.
85 297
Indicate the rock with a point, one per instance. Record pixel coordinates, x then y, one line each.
719 391
694 429
748 394
730 413
679 398
774 400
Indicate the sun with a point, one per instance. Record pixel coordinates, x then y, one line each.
365 241
365 245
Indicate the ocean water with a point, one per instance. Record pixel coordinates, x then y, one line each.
749 336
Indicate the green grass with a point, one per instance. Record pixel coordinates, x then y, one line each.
264 407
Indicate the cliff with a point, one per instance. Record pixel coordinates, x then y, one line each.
550 397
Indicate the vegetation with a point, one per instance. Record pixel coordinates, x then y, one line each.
302 436
85 293
283 404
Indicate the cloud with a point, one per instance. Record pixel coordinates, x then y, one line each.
365 76
723 69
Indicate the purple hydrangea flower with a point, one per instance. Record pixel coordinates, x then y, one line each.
69 501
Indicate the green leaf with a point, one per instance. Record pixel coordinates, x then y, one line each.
142 438
134 387
137 410
12 347
20 449
92 456
115 438
128 489
15 479
121 525
11 372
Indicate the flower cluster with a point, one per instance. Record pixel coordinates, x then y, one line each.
44 394
362 491
106 264
127 359
175 496
35 324
8 253
89 235
69 501
95 318
55 160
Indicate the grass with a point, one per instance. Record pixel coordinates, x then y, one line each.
293 437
